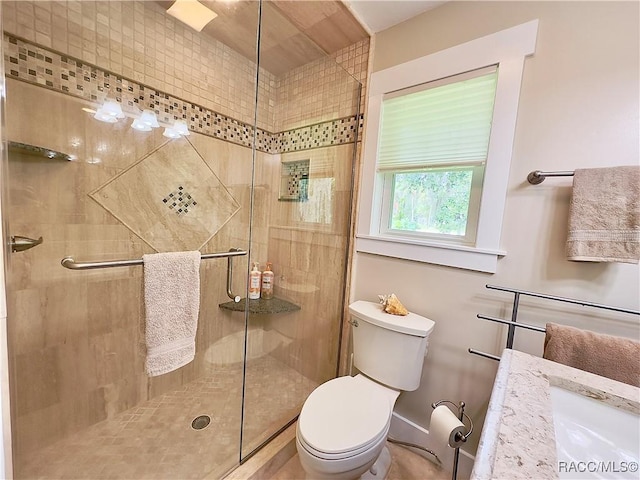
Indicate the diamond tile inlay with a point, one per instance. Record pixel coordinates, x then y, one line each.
180 201
138 198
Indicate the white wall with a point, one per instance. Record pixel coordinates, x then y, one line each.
578 109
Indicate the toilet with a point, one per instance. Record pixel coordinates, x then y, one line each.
343 425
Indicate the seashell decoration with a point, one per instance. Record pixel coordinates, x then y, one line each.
392 305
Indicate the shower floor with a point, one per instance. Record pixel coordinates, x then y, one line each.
154 440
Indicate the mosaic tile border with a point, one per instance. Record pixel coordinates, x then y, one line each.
325 134
31 63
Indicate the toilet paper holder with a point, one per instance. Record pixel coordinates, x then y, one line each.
460 437
461 416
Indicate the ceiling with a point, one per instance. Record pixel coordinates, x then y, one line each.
379 15
296 32
293 32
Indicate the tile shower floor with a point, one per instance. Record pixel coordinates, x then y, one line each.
155 440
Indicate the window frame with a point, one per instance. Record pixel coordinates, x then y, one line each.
507 49
387 197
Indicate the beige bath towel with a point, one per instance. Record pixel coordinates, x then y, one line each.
612 357
171 301
604 218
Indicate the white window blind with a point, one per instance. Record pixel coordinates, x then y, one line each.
443 123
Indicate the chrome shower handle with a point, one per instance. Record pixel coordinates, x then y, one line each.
235 298
20 244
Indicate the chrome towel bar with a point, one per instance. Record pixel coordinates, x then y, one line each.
514 314
536 177
70 263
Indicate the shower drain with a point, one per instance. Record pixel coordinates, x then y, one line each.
201 422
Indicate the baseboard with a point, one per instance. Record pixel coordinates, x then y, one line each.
408 431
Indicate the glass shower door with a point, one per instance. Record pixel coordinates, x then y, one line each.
303 183
98 169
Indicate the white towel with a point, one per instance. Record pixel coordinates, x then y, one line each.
604 218
171 301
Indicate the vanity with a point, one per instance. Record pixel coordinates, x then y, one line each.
597 420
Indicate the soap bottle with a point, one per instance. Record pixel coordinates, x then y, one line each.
254 282
267 282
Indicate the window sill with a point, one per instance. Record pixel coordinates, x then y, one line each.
458 256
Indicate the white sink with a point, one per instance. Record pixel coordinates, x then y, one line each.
594 439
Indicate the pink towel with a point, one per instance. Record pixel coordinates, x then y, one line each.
605 355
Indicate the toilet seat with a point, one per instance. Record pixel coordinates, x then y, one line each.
342 455
345 417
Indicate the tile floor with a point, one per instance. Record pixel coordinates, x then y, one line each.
405 465
155 440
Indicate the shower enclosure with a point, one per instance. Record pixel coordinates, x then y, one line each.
101 166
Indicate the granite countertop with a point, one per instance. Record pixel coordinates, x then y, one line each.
518 437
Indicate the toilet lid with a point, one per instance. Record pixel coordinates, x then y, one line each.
343 415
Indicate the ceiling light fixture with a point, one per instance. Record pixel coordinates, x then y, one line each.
192 12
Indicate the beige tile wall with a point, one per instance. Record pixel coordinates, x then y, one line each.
322 90
139 41
76 337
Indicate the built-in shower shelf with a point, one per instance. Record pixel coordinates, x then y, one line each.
38 152
273 305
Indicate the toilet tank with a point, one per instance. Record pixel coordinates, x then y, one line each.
389 348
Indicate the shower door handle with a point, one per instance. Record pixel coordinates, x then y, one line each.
230 294
20 244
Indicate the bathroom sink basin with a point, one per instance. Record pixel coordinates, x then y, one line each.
594 439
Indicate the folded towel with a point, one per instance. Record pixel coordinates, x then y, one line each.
171 301
605 355
604 217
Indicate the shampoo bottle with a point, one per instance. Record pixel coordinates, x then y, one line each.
254 282
267 282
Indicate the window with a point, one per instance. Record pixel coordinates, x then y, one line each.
431 155
437 152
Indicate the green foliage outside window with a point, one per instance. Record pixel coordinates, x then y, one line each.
432 201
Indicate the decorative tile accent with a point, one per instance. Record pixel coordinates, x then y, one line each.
148 180
326 134
37 65
179 201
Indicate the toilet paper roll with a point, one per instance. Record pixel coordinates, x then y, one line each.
444 427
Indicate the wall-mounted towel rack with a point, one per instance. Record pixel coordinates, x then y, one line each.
536 177
514 314
70 263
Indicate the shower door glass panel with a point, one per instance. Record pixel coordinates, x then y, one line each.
301 219
80 75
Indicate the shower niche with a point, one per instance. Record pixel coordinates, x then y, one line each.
294 181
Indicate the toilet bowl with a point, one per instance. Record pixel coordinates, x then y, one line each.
343 425
342 428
